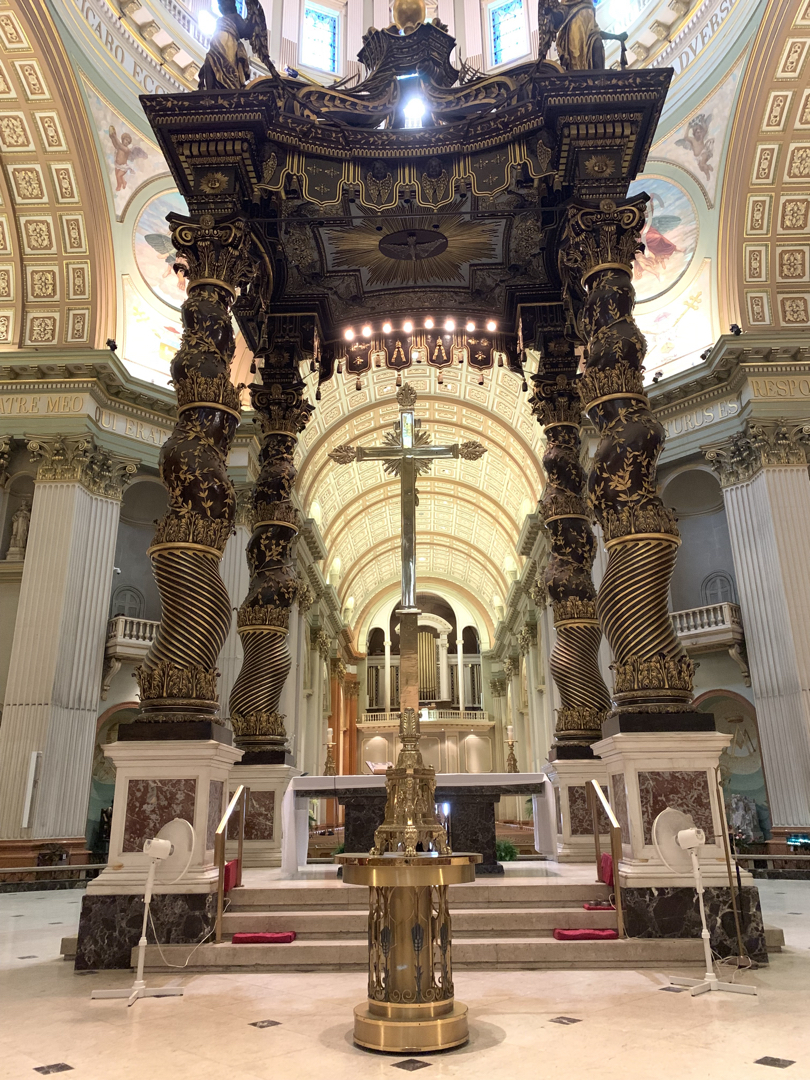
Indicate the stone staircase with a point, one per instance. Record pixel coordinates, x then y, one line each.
496 925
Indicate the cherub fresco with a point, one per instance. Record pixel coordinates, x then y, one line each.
699 142
125 151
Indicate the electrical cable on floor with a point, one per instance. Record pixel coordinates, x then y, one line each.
202 941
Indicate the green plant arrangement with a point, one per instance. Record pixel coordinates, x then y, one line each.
339 850
505 851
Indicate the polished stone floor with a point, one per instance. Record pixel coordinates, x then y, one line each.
576 1025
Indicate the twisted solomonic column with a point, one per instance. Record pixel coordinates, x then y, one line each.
264 618
178 676
574 660
652 671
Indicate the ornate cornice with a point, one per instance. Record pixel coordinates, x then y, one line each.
77 459
764 442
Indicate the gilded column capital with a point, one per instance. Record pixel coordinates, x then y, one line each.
510 668
764 442
497 686
218 253
304 596
539 594
527 638
77 459
322 642
352 690
337 668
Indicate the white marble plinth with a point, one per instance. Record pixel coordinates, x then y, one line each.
646 773
156 782
574 822
263 828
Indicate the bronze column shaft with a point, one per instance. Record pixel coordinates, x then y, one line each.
574 660
178 676
652 671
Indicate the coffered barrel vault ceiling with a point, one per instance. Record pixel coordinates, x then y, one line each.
469 513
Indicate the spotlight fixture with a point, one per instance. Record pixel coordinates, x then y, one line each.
492 326
349 334
705 355
658 376
366 331
387 328
470 327
735 329
449 325
428 324
407 327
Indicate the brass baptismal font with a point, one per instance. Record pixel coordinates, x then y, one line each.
410 1004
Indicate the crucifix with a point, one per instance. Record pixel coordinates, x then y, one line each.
407 453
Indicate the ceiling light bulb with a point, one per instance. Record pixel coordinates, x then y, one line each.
449 325
387 328
407 326
366 331
492 326
207 22
349 335
470 327
428 324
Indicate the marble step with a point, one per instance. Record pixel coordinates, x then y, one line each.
334 895
478 954
503 922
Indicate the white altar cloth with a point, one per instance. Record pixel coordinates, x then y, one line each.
295 807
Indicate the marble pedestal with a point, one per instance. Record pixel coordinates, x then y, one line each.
648 771
156 781
263 827
574 821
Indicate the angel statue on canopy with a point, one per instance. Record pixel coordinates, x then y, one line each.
572 26
226 65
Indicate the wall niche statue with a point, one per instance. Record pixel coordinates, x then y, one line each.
20 524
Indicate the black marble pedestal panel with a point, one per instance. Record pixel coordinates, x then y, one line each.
110 926
472 828
673 912
363 814
472 820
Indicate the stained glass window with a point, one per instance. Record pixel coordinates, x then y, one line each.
319 48
507 24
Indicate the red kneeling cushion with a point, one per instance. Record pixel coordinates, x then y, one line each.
606 869
264 939
229 877
585 935
604 905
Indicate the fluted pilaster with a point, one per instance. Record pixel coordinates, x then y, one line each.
766 490
574 660
652 671
54 680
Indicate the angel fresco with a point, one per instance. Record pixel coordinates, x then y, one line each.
658 249
226 65
162 244
125 151
697 139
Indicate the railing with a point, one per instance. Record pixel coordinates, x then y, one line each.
712 617
596 797
437 716
141 631
240 796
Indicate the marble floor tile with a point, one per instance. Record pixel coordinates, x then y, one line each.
627 1029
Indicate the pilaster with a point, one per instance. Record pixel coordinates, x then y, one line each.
54 679
763 472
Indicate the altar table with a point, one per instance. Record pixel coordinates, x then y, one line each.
472 798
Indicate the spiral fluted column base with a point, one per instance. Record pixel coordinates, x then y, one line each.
257 691
574 664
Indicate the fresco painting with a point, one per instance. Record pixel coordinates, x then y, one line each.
670 237
679 327
131 160
151 339
154 252
697 143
